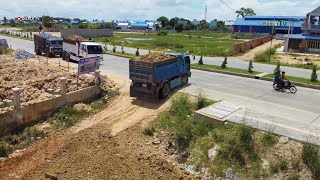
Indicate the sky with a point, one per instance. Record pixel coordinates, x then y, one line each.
151 9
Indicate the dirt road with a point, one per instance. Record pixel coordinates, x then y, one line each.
108 145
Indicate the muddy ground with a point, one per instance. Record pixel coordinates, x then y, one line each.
108 145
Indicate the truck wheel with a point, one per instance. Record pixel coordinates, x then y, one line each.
165 90
63 55
184 80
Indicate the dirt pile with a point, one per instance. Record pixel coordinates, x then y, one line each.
76 38
153 57
35 79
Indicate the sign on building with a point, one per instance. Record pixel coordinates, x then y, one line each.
88 65
3 44
279 23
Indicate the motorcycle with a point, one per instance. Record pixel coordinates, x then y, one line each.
288 86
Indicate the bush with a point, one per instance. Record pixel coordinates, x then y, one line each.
269 139
33 132
162 33
137 52
202 101
314 76
122 50
114 49
277 70
183 139
200 60
224 63
67 117
250 67
311 157
4 149
148 131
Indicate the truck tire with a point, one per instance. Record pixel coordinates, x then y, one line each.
63 55
184 80
37 51
165 90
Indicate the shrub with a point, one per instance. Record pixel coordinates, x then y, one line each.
179 46
67 117
148 131
314 76
114 49
200 60
137 52
122 50
269 139
294 177
311 156
33 132
162 33
224 63
250 67
4 149
183 139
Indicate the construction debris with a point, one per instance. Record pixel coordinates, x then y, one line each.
153 57
22 54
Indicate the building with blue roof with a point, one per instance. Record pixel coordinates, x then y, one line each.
269 24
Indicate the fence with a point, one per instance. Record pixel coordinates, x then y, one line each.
242 47
23 116
44 29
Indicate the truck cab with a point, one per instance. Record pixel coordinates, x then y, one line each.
54 45
90 49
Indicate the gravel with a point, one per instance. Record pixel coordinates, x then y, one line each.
22 54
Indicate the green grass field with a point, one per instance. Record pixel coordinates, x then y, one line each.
297 79
209 44
235 70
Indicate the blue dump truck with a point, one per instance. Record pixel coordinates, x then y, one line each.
48 44
153 77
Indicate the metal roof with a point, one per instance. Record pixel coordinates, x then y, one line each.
275 17
301 36
258 22
316 11
139 24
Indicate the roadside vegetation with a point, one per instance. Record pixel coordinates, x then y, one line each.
236 150
228 69
5 51
297 79
15 36
66 117
207 44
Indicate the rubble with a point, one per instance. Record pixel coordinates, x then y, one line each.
153 57
22 54
76 38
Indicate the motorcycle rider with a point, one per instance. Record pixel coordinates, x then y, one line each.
282 80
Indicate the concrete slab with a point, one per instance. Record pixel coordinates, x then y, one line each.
219 110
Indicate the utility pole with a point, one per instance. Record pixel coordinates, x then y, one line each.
174 36
274 18
288 38
205 12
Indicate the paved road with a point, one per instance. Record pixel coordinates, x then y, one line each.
267 68
293 111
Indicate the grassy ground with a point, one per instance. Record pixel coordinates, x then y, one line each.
128 55
213 44
240 149
297 79
66 117
235 70
20 37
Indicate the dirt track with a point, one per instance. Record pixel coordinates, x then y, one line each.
108 145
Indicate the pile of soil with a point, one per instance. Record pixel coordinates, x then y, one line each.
35 79
77 38
153 57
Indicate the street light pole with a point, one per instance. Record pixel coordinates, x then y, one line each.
288 38
274 18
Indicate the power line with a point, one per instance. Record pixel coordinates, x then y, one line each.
228 5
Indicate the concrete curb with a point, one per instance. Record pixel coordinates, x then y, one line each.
254 77
119 55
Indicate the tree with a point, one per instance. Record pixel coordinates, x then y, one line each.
137 52
190 26
179 28
114 48
245 12
47 21
5 19
277 70
314 76
173 21
122 50
250 67
224 63
164 21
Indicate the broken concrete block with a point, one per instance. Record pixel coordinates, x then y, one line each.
57 92
213 152
50 91
2 104
8 103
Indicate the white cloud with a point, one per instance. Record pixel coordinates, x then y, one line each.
150 9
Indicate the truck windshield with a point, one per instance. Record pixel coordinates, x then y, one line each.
95 50
56 43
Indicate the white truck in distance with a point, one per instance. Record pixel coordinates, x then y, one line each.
75 50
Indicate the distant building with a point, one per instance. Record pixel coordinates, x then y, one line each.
195 22
213 24
265 24
229 24
139 26
75 22
122 26
184 23
309 40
